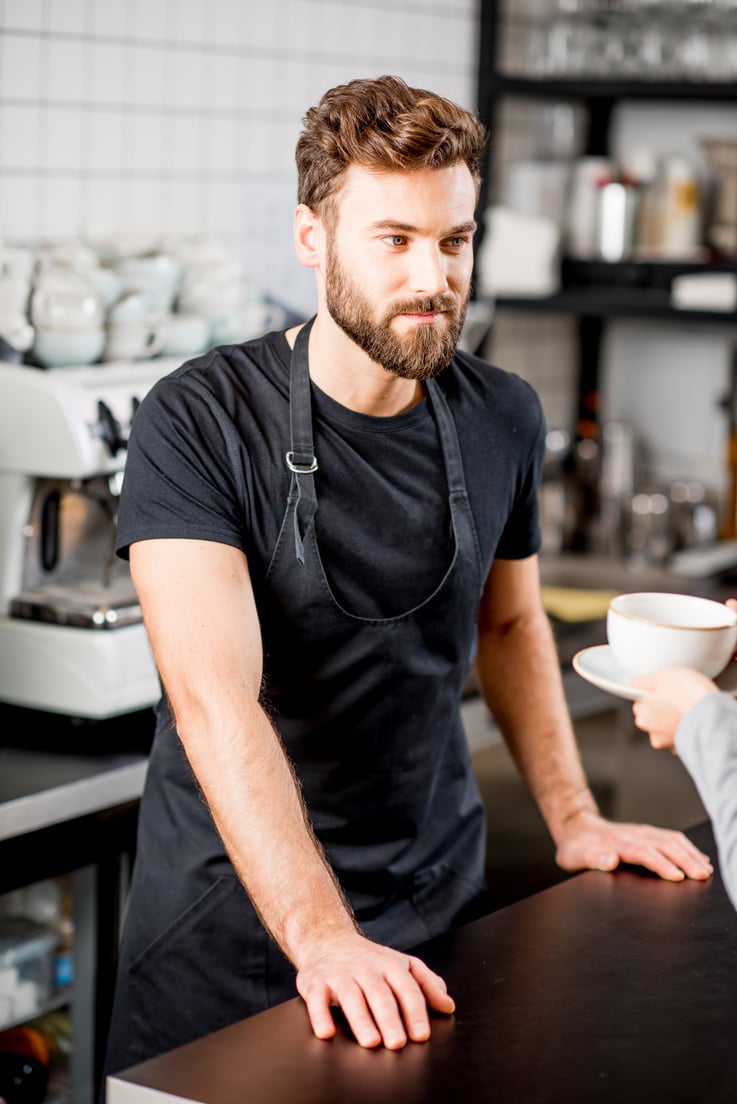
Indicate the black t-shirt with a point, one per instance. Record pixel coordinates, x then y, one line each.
206 461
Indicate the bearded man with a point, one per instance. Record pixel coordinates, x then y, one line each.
327 528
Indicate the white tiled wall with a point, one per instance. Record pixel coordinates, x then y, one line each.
542 348
160 117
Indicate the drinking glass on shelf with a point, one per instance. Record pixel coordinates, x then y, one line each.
558 46
694 53
643 39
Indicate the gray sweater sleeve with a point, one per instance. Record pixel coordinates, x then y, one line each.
706 742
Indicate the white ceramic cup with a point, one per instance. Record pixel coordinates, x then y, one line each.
186 335
71 254
132 306
17 262
16 331
65 300
107 282
158 274
649 631
67 348
135 340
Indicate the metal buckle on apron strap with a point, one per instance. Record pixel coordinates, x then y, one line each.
289 457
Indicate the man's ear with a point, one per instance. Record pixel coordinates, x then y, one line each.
309 235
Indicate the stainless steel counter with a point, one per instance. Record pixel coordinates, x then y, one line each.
602 572
69 795
41 788
56 769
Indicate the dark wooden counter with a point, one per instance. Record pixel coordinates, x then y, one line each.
603 988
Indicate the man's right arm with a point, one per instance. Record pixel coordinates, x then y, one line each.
201 619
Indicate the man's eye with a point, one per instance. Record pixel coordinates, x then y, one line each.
396 239
457 243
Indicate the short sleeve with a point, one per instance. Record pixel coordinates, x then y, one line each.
521 535
184 470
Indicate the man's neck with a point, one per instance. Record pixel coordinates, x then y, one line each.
344 372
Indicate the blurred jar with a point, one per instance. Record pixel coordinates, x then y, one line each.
694 517
582 469
616 214
553 491
589 175
649 537
681 210
616 486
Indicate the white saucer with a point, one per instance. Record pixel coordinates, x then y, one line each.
597 666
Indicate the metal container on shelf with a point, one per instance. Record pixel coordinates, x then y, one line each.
721 155
616 215
617 481
26 973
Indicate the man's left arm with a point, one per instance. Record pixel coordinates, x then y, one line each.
519 677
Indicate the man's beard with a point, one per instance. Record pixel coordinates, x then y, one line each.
420 354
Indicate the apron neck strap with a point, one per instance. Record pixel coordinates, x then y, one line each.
452 456
301 459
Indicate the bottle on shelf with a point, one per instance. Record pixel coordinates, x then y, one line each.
24 1066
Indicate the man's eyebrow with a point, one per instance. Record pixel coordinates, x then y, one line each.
408 228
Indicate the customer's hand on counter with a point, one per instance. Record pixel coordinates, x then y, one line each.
590 842
383 994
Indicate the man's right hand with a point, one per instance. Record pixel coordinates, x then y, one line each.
383 994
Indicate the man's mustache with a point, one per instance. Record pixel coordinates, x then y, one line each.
426 306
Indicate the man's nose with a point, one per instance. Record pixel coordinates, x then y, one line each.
428 274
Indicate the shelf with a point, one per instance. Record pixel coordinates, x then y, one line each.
637 272
59 999
613 302
624 289
592 88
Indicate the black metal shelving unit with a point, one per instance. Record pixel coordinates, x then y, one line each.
613 302
625 289
591 88
594 292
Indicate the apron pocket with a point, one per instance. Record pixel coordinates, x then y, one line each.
214 965
441 895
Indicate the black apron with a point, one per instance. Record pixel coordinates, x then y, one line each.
369 712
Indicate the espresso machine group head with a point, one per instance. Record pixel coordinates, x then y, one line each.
72 639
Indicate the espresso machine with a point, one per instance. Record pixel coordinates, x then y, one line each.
72 639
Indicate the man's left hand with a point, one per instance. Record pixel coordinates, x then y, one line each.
589 842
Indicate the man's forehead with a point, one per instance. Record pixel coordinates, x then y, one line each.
380 195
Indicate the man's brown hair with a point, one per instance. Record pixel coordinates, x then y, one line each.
385 125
